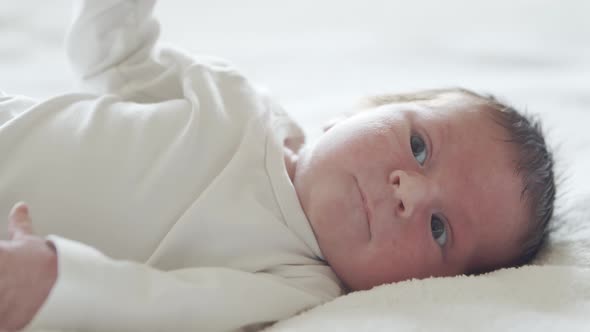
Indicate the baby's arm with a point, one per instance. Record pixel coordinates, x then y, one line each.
96 293
112 47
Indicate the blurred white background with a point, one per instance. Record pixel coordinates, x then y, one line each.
319 57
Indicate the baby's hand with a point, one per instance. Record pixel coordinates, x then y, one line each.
28 270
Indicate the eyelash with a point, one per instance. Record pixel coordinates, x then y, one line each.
446 229
425 147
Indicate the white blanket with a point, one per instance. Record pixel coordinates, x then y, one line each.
532 298
321 56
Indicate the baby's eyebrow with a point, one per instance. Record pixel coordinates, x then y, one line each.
442 131
438 136
445 131
463 224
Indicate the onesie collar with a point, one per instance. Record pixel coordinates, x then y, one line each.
284 189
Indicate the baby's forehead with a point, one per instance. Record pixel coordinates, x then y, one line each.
495 215
485 183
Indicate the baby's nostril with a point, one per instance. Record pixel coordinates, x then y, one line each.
396 180
401 206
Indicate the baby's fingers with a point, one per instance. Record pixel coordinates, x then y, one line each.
19 221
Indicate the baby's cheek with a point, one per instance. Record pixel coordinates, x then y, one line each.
411 243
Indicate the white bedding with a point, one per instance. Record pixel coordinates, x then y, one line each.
532 298
320 56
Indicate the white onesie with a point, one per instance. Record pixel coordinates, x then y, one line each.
164 188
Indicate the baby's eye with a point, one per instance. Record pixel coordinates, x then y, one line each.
418 149
439 232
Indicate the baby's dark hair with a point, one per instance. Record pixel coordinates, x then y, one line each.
534 163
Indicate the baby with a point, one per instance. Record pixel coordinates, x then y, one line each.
181 197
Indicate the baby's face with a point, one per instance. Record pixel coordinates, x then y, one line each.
411 191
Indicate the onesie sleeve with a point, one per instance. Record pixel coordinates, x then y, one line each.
112 48
96 293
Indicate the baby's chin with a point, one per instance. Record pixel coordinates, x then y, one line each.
348 257
357 275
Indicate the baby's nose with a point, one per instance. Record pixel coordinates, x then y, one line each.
410 192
